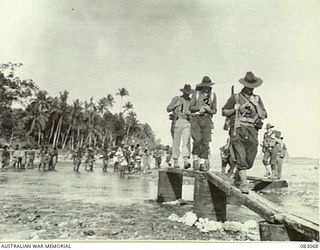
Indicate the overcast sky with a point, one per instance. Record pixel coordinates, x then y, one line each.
153 48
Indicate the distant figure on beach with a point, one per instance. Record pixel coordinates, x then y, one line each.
55 158
77 158
179 106
246 112
146 160
105 159
168 155
90 159
203 106
278 154
267 146
17 158
5 157
44 157
138 157
132 162
120 161
157 155
31 156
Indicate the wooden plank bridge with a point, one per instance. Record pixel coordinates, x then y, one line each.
214 190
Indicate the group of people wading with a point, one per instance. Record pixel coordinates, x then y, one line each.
192 114
25 157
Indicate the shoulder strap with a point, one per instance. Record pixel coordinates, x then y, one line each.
249 101
197 95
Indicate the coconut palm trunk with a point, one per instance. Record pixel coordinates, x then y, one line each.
39 137
57 133
66 137
51 131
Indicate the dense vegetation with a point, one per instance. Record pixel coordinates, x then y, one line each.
43 119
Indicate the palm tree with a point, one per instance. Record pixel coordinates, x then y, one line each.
122 92
37 115
41 102
105 103
63 111
91 119
127 106
76 120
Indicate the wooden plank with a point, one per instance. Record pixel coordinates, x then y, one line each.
220 182
184 172
255 178
301 225
267 209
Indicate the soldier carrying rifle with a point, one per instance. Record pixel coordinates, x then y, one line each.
246 112
179 105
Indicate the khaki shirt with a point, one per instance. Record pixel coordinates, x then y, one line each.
268 141
199 99
180 107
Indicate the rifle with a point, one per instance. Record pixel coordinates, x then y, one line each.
227 121
236 119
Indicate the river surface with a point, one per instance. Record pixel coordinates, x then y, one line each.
22 188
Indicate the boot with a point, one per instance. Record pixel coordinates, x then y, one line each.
202 165
244 186
223 170
273 174
195 163
267 174
176 163
186 163
207 164
236 179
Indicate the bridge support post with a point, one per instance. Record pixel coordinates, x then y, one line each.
209 201
169 186
279 232
272 232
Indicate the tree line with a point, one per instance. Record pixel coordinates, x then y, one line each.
40 119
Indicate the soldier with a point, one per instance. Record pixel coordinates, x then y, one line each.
168 154
179 105
5 157
120 161
267 146
157 155
277 154
146 160
131 158
17 157
31 157
105 159
90 158
281 154
77 157
203 106
246 112
50 159
138 156
44 157
55 155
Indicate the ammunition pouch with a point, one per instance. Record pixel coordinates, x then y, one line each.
227 124
258 124
171 117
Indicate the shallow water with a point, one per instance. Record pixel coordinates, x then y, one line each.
22 188
64 184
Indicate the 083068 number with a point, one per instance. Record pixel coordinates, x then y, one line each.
309 245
